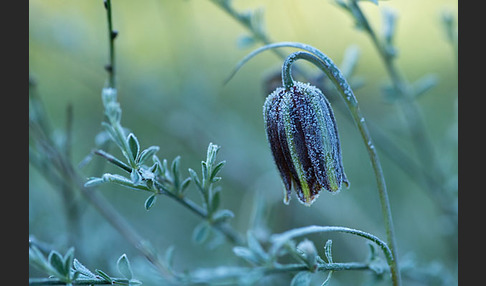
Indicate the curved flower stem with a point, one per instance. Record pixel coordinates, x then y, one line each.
324 63
280 239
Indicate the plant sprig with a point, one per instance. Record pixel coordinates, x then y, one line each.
304 262
67 270
149 173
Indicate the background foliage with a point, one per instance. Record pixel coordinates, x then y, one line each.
172 58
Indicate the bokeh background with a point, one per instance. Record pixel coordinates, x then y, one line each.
172 58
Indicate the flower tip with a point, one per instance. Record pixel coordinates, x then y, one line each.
286 200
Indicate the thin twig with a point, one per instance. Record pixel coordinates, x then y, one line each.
110 67
411 111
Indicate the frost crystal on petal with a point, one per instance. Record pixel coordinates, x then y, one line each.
304 141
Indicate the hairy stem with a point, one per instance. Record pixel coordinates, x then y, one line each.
320 267
280 239
233 236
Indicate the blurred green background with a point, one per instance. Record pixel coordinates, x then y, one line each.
172 58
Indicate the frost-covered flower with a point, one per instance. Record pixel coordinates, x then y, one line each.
304 140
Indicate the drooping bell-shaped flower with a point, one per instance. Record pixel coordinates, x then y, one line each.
304 141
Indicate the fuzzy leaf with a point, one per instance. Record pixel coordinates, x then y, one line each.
68 260
246 254
134 146
176 172
195 179
147 153
216 170
327 251
169 256
372 254
221 216
211 154
36 255
150 201
302 278
185 184
215 201
201 232
103 275
37 259
134 282
204 173
255 246
135 176
113 134
55 260
82 269
123 265
92 182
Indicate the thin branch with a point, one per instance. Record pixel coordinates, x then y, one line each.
56 281
110 67
412 112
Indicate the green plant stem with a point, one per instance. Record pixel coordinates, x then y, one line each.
68 193
55 281
224 228
320 267
330 69
110 68
411 112
280 239
112 159
408 106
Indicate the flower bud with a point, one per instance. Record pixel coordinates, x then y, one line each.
309 252
304 141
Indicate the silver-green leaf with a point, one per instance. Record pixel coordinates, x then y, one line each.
150 201
123 265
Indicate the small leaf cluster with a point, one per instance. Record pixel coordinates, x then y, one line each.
254 253
67 269
211 195
55 265
149 173
306 259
